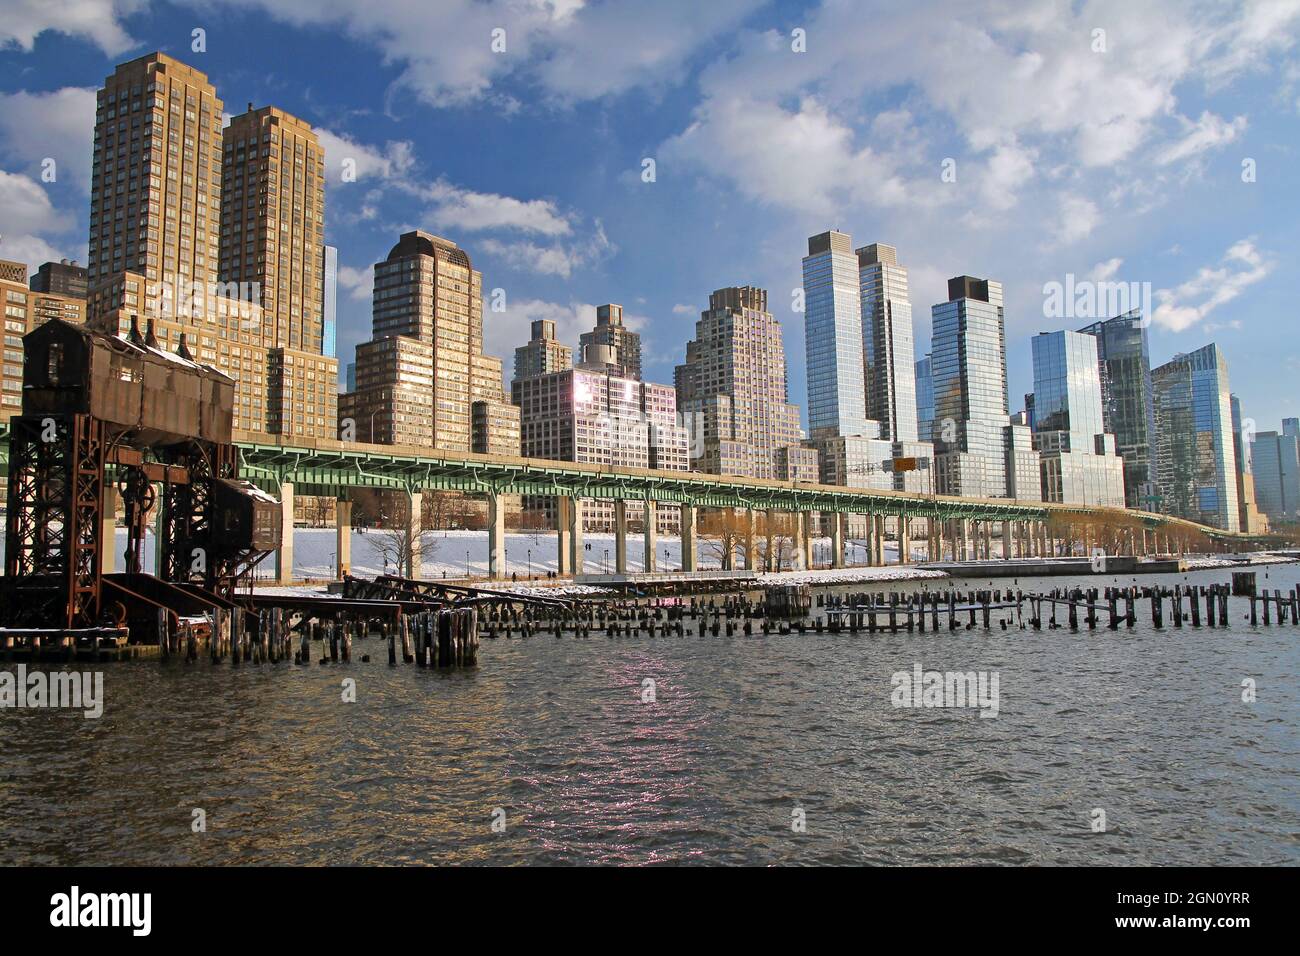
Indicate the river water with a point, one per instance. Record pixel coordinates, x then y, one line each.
754 750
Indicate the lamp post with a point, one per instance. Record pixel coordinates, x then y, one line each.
607 560
467 563
530 564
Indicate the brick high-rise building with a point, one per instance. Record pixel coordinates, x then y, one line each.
60 278
156 225
732 392
611 331
24 310
418 377
543 354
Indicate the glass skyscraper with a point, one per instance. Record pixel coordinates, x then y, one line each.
968 363
837 403
329 301
1078 460
924 398
1195 463
1275 458
888 351
1127 401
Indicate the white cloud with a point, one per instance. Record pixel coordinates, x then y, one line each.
342 153
682 309
26 207
26 217
457 208
359 283
1076 219
1191 302
1209 132
556 259
58 125
95 20
1104 271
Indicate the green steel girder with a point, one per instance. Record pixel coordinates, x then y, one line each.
328 467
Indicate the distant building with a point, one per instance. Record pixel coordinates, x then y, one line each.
975 441
1252 522
495 427
1128 402
888 350
610 331
1077 458
1195 464
834 348
61 278
924 399
589 414
329 301
1275 460
418 377
543 354
24 310
732 392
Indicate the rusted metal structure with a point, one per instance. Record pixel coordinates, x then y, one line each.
93 403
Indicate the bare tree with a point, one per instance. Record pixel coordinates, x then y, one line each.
722 533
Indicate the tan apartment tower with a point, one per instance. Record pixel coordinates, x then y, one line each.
418 377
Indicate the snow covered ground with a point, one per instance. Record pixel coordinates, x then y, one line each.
456 554
451 554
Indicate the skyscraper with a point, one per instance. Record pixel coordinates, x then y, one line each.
1077 457
1248 512
272 250
1275 458
837 395
156 222
888 350
155 198
610 331
732 391
924 399
975 441
273 221
543 354
329 301
1127 401
424 366
1195 464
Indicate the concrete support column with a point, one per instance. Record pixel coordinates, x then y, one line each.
563 526
411 559
284 556
750 554
108 528
936 539
342 538
904 540
651 535
496 529
620 536
576 549
837 540
689 555
1007 540
799 535
878 537
805 531
988 540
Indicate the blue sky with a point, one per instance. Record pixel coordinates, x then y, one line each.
1115 155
